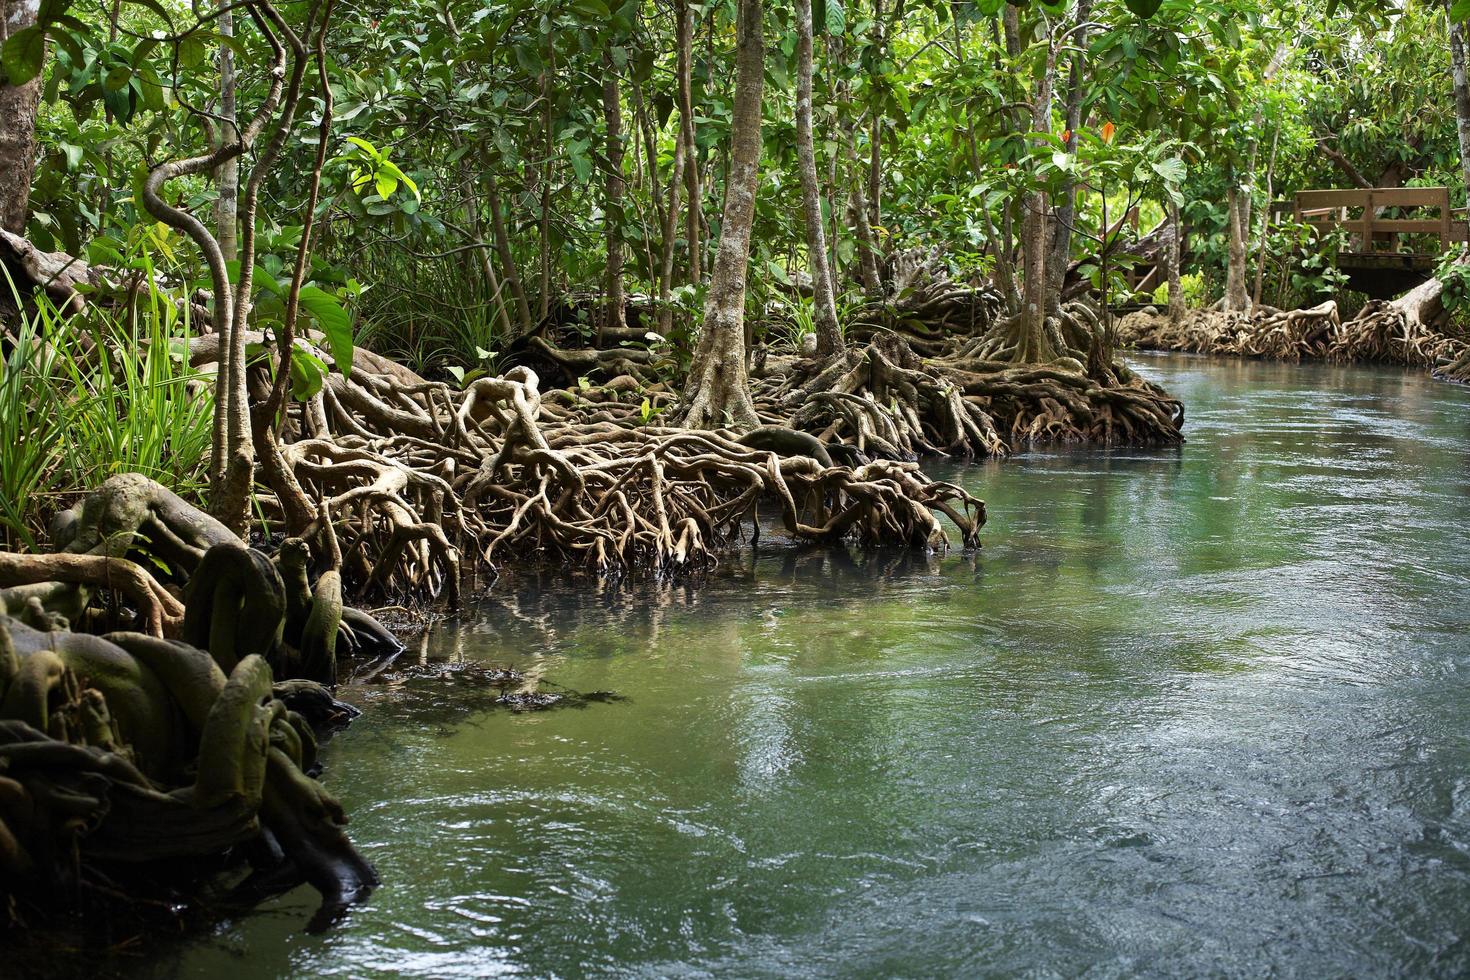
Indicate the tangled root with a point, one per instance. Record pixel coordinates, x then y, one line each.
1406 330
417 474
128 750
883 400
1266 332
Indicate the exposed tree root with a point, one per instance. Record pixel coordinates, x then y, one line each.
416 474
1404 331
1265 332
974 400
118 752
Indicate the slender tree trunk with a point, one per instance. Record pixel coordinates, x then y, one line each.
670 235
644 158
695 220
1061 240
487 268
718 391
875 129
546 165
829 338
1172 256
227 177
613 114
507 260
1266 220
1462 94
1236 298
1031 344
268 420
867 252
868 265
650 153
17 125
1238 201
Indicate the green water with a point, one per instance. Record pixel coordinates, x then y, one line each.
1199 711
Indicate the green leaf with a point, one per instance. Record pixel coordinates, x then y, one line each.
307 374
834 18
1460 10
581 163
333 320
23 54
117 78
158 9
365 146
386 184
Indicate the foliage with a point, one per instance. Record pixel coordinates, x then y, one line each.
1454 272
1191 285
83 399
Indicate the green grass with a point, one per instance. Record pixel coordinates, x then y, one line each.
73 413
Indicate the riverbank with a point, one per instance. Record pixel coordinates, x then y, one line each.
1182 696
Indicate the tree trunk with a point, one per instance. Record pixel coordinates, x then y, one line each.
1172 258
507 260
1061 237
875 130
17 126
1237 299
482 252
1462 94
227 176
545 299
670 234
695 220
829 339
718 391
1031 343
1238 201
867 248
1266 220
612 112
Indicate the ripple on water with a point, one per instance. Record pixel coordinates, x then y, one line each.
1197 711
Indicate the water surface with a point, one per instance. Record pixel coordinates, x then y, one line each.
1192 711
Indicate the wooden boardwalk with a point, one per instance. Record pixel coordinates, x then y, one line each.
1396 235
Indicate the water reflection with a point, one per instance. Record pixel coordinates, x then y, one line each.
1196 711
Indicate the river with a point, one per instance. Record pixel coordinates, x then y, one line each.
1190 711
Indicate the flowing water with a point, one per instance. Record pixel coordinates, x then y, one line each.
1194 711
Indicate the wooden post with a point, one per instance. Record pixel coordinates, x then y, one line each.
1444 219
1368 244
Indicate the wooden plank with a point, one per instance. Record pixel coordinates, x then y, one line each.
1307 200
1410 197
1412 226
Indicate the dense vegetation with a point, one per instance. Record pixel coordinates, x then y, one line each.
402 291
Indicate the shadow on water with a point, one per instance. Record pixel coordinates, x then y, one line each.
1195 711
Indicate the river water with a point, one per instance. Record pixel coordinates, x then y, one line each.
1192 711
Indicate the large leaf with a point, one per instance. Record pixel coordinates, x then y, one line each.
23 54
334 321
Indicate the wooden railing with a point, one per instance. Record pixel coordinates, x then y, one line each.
1358 212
